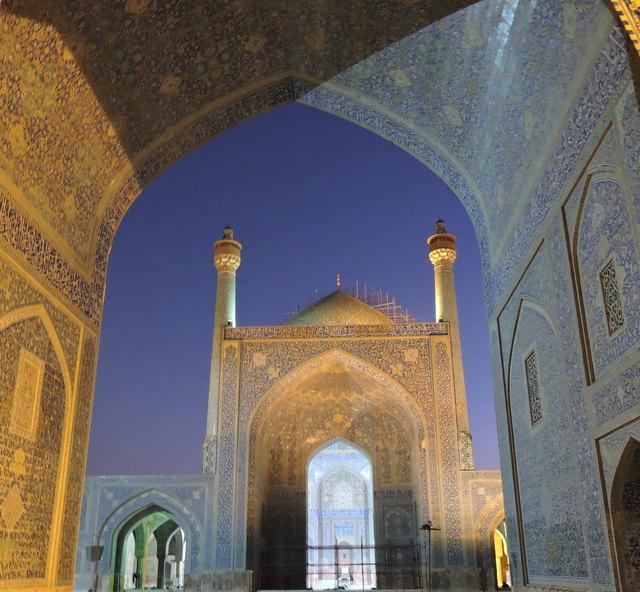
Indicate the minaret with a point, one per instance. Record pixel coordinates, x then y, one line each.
442 253
226 258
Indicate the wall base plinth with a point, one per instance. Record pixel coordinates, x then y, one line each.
455 580
226 581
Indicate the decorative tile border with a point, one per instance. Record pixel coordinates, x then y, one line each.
312 332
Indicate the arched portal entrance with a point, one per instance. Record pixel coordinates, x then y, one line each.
332 401
340 520
148 551
625 512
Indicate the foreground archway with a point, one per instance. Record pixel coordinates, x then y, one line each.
61 267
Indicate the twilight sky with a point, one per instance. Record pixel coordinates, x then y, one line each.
308 195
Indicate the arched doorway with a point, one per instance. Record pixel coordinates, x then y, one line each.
625 512
148 551
344 410
340 520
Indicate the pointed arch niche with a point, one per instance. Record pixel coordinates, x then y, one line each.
333 404
625 514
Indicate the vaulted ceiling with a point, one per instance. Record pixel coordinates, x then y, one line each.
97 98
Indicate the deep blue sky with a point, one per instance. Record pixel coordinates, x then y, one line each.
309 195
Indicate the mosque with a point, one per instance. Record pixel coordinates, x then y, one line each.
337 454
527 110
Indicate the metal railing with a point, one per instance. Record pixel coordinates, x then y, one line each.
351 567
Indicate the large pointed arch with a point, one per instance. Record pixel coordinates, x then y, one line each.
401 415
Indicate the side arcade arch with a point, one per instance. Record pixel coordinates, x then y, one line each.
144 553
112 533
491 559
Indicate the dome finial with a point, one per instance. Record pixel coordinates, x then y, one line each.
338 283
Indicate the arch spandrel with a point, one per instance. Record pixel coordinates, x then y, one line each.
353 365
403 365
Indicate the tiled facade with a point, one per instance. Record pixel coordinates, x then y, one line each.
283 397
110 501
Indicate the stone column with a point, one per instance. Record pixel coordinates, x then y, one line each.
442 254
178 556
140 534
179 570
226 258
160 577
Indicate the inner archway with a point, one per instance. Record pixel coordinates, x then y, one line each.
340 520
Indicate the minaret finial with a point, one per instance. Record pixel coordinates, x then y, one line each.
441 227
338 283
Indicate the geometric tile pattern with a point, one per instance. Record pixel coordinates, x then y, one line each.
535 406
611 297
26 397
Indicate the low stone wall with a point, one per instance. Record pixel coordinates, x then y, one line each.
534 588
458 580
